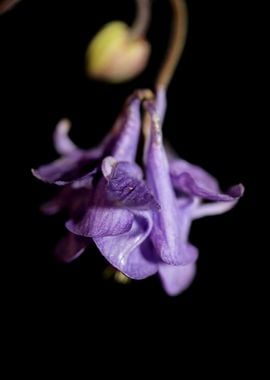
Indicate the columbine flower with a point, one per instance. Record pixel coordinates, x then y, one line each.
141 227
140 221
103 195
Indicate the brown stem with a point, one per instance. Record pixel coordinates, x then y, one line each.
142 20
178 39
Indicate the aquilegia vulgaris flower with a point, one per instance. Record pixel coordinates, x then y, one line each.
139 217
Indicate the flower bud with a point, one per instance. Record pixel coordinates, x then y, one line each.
114 56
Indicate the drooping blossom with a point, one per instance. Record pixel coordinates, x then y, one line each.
139 220
139 217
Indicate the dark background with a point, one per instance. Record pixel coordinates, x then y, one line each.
211 103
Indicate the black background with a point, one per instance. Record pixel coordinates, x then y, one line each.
211 105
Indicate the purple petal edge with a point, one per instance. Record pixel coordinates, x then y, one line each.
188 185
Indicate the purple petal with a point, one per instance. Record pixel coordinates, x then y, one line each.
215 208
124 186
131 252
161 103
125 147
99 217
188 185
170 229
178 167
175 279
80 165
110 166
67 169
71 247
62 143
76 164
122 141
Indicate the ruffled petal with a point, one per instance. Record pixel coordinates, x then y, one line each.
67 169
178 167
70 247
125 187
131 252
99 217
176 279
188 185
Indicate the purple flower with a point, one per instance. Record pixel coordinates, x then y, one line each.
141 226
103 194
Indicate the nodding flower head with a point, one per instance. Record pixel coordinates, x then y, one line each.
139 217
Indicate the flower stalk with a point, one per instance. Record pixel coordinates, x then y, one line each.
177 43
142 20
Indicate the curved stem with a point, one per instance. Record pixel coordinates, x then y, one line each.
142 20
178 39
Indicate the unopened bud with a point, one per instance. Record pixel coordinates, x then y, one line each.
114 56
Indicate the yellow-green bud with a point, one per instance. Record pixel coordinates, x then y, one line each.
113 55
